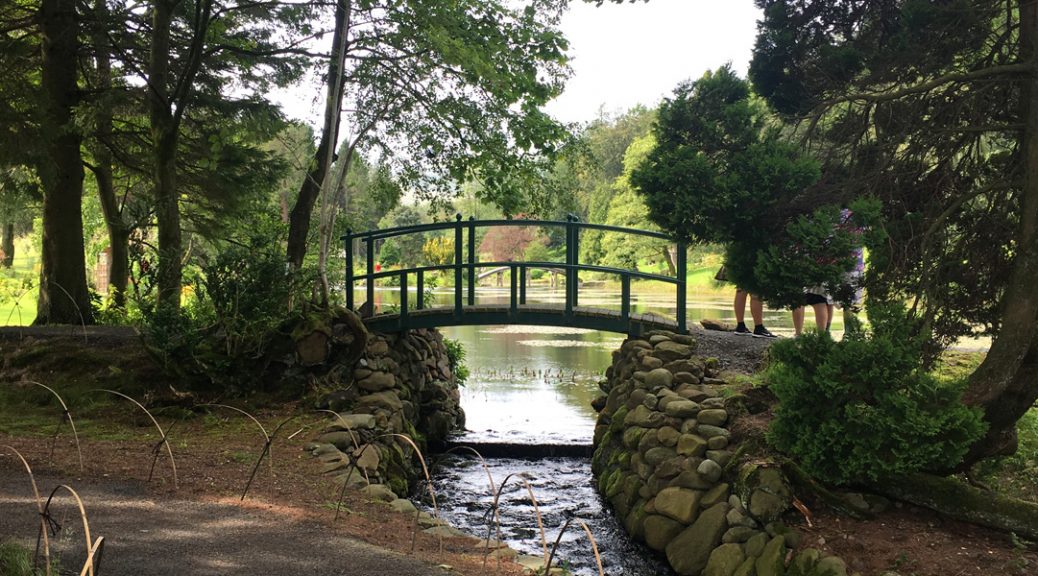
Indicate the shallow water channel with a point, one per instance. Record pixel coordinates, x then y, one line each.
534 385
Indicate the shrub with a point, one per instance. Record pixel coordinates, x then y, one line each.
456 356
221 341
864 409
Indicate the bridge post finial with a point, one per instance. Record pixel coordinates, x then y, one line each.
458 217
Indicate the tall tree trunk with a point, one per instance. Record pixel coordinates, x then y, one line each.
7 246
164 141
118 231
668 257
63 298
302 211
1005 385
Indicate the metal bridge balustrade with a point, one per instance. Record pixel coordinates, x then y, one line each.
518 311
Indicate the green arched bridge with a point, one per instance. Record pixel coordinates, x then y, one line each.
465 270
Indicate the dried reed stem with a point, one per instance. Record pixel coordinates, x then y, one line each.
266 450
68 415
536 509
39 508
266 437
162 433
590 537
93 560
89 566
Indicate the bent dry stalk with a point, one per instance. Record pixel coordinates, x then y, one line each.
428 482
266 437
536 509
594 546
64 415
353 460
162 433
43 517
264 452
93 560
88 567
496 517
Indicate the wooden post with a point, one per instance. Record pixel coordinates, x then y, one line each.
576 260
403 299
349 268
522 285
472 261
513 299
625 297
457 265
370 284
681 288
570 261
420 287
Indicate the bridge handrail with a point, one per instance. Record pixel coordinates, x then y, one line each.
467 269
529 265
434 226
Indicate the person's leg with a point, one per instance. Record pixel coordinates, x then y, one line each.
821 316
739 306
798 320
757 312
829 308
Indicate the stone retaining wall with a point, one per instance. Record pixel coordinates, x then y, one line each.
401 385
664 460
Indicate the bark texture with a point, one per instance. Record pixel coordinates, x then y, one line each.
164 171
310 189
63 298
952 498
118 231
1005 385
7 246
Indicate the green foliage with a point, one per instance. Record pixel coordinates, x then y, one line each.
221 340
456 356
817 249
439 250
1016 475
719 174
863 409
941 147
406 249
16 560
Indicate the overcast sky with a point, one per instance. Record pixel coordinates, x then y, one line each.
626 54
629 54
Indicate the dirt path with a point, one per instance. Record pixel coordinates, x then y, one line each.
155 535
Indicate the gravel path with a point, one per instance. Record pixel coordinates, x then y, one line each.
149 535
744 354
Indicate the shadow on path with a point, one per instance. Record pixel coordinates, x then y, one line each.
154 535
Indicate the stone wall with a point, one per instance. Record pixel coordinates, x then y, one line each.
401 385
664 460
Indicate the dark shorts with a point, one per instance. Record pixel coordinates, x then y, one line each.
812 299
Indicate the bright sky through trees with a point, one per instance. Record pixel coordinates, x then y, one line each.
626 54
630 54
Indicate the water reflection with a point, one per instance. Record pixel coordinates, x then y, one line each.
534 384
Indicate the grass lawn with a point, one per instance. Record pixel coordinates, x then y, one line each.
18 286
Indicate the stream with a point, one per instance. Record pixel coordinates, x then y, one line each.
534 385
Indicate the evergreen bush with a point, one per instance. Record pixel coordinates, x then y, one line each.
864 409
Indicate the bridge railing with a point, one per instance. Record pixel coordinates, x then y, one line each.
465 266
